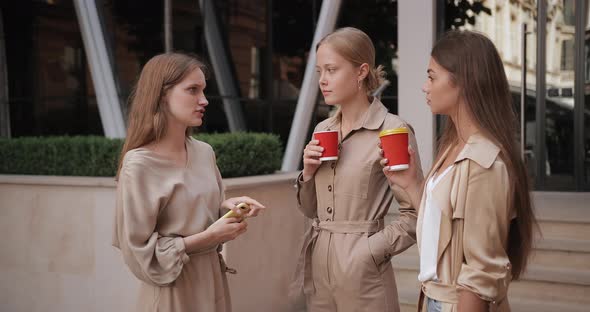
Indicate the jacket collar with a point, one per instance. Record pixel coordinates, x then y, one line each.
479 149
372 119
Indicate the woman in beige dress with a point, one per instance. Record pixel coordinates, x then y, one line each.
346 258
170 195
475 221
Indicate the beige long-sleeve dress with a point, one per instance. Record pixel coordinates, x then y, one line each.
158 203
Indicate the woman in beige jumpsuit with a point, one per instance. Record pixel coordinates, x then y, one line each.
170 195
345 261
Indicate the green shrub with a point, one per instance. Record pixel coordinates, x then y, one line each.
238 154
243 154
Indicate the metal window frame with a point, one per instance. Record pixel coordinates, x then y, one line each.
540 95
579 105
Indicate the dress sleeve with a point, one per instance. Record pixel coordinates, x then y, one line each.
151 258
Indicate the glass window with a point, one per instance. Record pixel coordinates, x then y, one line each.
377 18
559 105
50 89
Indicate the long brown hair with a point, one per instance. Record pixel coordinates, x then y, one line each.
476 68
148 109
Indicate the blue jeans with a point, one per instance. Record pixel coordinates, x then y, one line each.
433 305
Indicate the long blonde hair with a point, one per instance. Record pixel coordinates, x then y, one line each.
476 67
147 120
357 48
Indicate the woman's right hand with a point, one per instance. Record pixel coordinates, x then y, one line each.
227 229
311 159
405 179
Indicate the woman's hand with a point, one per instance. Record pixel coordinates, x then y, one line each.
226 229
255 206
410 180
405 179
311 159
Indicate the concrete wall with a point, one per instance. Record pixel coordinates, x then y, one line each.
56 253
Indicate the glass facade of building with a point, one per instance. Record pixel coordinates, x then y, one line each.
556 101
266 45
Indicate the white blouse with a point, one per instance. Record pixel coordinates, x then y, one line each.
430 232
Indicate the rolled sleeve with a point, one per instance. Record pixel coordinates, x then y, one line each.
486 267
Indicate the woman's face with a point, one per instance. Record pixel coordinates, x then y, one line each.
338 77
442 95
186 100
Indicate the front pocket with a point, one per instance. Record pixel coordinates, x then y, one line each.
353 181
371 254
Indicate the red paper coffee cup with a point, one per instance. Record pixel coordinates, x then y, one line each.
394 143
329 141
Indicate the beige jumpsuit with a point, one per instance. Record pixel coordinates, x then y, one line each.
159 203
345 262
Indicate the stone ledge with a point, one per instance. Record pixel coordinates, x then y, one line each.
109 182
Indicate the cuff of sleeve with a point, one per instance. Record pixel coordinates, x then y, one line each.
303 186
487 286
379 248
181 249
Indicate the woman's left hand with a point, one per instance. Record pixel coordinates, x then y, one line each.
255 206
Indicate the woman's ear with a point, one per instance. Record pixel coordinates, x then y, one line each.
363 71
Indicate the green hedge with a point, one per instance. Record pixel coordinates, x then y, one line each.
238 154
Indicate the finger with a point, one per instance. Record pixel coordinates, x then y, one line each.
386 171
314 142
254 212
384 162
254 202
379 144
313 154
311 161
314 148
380 152
236 210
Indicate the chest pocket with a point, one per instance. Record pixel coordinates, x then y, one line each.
353 181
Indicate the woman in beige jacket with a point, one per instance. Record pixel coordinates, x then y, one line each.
345 264
170 195
475 222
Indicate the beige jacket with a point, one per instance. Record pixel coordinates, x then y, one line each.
345 263
474 227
